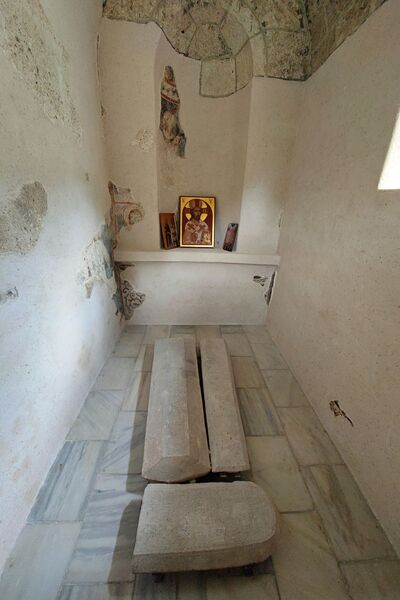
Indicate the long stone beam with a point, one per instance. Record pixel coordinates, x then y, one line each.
225 430
176 447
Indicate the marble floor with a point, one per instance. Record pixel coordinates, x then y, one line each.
78 540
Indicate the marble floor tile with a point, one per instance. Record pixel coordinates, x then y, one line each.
137 394
268 356
373 580
258 334
155 332
116 374
64 494
237 344
136 328
97 591
36 566
258 413
231 329
144 361
246 372
97 416
309 441
128 344
274 468
147 589
305 566
104 548
182 331
257 587
353 530
206 331
124 451
284 389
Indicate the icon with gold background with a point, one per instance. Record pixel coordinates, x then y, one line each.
197 217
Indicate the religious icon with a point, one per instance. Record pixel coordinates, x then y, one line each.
197 214
230 236
168 231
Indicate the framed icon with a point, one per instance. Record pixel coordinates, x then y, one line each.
197 221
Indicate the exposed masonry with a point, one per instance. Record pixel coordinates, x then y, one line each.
26 36
21 218
238 39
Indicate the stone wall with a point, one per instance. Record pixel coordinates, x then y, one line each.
238 39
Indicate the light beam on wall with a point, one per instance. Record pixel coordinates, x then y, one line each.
390 178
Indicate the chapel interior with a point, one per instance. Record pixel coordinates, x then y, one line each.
200 300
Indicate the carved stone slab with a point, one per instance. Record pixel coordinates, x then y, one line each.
225 430
203 526
176 441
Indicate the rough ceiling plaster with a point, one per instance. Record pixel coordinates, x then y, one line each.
239 39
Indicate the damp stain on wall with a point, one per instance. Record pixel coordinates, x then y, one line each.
21 218
27 38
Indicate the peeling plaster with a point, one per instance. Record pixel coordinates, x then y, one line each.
338 411
26 36
8 295
21 218
125 210
97 264
144 140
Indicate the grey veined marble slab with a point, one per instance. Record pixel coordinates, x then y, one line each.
97 591
144 361
378 580
128 344
259 415
246 373
116 374
284 389
268 356
97 416
305 566
354 531
274 468
156 332
64 493
237 344
104 549
309 441
37 564
257 587
138 392
124 451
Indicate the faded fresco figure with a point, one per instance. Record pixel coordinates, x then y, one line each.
196 231
169 117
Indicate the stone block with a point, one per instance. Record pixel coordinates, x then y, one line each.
203 526
207 42
206 11
225 430
259 53
244 67
234 33
218 77
176 441
176 23
130 10
288 55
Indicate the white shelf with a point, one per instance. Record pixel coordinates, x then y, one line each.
194 255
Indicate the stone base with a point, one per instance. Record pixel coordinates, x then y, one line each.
203 526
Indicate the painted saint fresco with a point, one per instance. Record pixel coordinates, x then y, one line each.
125 211
169 117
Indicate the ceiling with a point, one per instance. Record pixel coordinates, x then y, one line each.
239 39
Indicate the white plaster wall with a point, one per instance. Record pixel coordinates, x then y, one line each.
199 293
335 309
274 119
53 340
127 60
